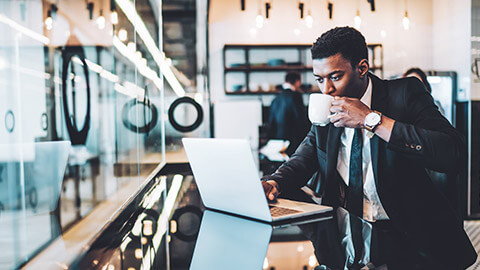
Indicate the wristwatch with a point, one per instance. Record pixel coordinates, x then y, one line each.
372 120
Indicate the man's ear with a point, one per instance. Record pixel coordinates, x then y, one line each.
362 68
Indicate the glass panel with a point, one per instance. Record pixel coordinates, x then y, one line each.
82 120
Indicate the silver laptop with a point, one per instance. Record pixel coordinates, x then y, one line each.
228 181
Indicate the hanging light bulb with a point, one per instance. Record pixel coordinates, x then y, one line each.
357 20
101 21
132 46
309 20
122 34
114 17
406 21
49 20
259 19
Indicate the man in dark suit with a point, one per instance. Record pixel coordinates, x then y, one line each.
288 118
371 158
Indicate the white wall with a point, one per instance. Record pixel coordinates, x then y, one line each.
402 49
438 38
451 41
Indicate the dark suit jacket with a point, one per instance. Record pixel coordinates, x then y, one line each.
421 138
288 119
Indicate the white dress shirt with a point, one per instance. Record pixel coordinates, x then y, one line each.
372 207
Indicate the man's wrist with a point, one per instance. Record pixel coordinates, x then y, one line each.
372 120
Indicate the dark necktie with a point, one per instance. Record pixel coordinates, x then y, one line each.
355 183
355 194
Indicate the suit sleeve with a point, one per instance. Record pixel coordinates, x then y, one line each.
294 173
425 135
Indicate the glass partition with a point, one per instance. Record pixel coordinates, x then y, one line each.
90 106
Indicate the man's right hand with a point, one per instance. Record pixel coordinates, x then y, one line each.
271 189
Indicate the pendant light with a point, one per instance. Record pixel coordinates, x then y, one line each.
122 34
330 10
301 8
49 20
113 12
259 19
406 20
100 20
309 20
357 21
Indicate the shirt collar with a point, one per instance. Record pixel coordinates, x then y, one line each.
367 96
287 86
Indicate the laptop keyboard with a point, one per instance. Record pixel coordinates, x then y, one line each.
276 211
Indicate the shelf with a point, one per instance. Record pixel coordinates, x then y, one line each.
268 68
242 73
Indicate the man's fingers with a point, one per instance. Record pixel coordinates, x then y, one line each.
336 117
335 109
273 194
271 191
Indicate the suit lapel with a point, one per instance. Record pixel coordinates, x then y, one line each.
332 185
379 103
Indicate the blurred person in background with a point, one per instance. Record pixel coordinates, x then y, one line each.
288 118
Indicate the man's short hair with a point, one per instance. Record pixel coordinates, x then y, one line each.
347 41
292 77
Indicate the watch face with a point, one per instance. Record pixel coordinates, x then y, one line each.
372 119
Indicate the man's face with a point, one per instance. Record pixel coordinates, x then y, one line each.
297 85
336 76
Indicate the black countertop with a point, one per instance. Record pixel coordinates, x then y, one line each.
167 227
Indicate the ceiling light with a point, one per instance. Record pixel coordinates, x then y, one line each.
129 11
267 10
330 10
114 17
372 4
357 20
406 20
138 253
301 6
101 21
90 10
122 34
259 19
49 20
131 46
309 20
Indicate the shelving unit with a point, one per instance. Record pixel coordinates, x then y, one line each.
257 69
375 59
244 64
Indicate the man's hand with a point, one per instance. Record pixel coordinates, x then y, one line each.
271 189
348 112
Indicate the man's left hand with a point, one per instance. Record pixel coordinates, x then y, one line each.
348 112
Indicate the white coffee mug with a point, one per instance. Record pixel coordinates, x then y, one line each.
319 109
